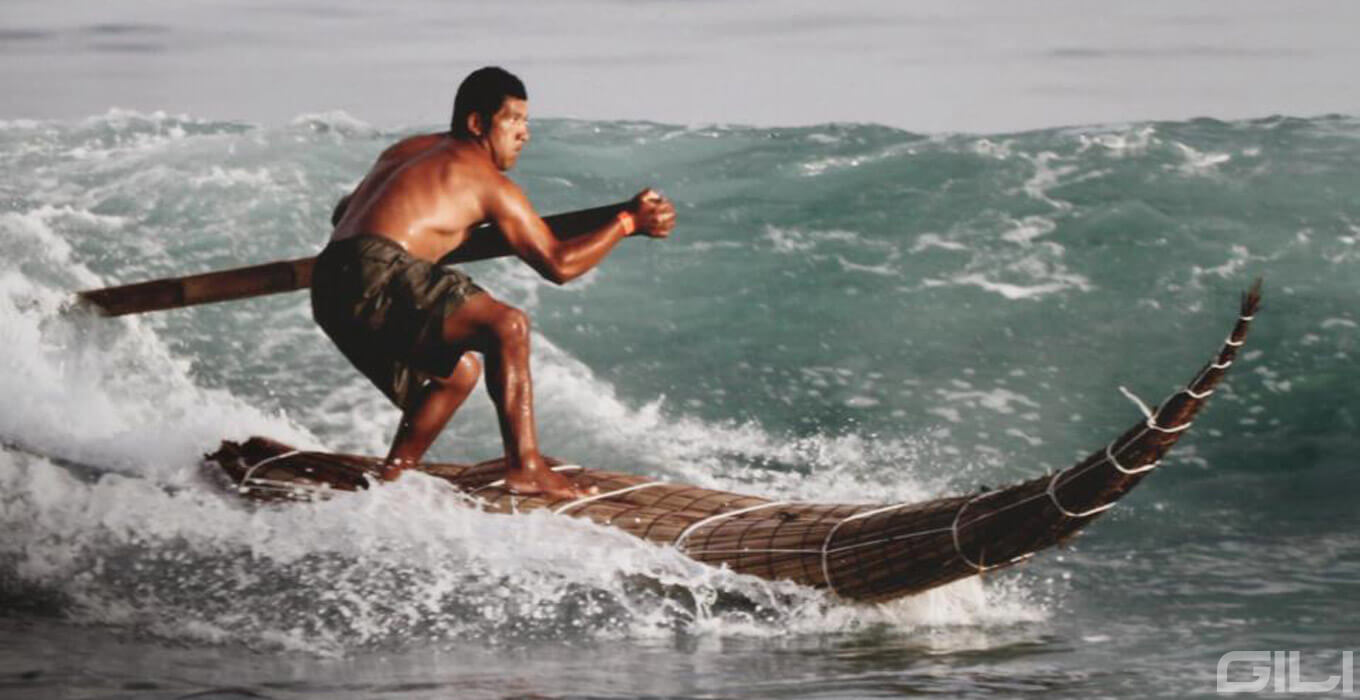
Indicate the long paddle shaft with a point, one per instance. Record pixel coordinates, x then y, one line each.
483 242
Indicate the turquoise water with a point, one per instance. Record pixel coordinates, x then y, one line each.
845 312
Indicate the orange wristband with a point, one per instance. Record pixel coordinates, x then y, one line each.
625 218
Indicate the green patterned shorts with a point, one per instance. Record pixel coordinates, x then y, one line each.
385 310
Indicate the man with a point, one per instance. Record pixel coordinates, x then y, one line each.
412 326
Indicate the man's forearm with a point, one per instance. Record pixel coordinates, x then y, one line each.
575 257
487 241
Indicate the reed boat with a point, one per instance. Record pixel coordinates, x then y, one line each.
859 552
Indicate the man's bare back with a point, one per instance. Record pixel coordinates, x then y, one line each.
425 194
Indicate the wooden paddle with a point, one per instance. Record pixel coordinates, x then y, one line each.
483 242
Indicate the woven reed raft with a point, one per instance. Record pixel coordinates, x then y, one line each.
860 552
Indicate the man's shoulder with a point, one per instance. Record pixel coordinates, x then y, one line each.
411 147
469 168
441 158
456 165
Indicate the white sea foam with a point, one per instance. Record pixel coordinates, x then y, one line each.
1046 176
1028 229
999 399
992 149
882 269
1057 283
822 166
1029 267
94 389
121 132
926 241
792 240
231 177
1199 164
953 415
1238 258
1031 440
1133 141
336 120
878 256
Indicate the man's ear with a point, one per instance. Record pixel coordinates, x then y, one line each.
475 125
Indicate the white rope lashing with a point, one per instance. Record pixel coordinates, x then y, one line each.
679 541
826 542
610 494
958 546
1053 496
501 482
1152 415
250 482
1109 455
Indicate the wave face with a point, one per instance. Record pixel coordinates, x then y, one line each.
846 312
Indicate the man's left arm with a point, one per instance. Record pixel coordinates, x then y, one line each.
561 260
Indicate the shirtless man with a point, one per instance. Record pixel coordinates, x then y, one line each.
411 325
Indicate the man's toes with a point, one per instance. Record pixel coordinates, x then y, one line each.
529 488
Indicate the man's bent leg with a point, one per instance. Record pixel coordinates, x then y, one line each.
501 333
428 413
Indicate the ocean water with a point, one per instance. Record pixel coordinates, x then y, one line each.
845 312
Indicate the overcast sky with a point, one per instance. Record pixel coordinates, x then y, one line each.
929 66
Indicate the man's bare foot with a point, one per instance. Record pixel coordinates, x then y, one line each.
544 481
393 467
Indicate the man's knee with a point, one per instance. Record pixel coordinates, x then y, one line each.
465 373
468 369
512 326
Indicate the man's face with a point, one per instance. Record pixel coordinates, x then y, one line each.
508 132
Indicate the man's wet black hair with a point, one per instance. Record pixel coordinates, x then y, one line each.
482 92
